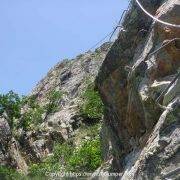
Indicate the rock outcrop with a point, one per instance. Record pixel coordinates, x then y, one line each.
139 85
138 78
71 78
10 153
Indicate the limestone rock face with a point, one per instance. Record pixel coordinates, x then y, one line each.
139 84
71 78
138 77
10 153
5 136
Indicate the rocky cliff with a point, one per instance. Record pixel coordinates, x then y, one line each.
139 84
36 131
138 79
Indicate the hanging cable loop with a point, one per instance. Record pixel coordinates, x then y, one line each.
156 19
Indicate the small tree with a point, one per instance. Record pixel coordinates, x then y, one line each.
53 98
30 101
66 157
92 106
10 104
87 158
32 118
10 174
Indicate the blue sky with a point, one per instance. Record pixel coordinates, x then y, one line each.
36 34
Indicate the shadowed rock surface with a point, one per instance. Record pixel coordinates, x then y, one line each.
141 134
138 78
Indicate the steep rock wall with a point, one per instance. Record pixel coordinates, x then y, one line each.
10 154
71 77
141 134
20 147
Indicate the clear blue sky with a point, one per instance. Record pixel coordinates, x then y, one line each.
36 34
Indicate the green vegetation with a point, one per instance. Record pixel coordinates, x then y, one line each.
53 98
66 157
92 106
9 174
30 101
90 131
32 118
10 104
54 163
86 158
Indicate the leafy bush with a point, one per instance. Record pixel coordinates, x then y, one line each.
9 174
55 163
10 104
30 101
39 170
53 98
86 158
66 157
93 130
31 118
92 107
63 152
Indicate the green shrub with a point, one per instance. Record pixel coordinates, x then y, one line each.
30 101
92 107
55 163
62 153
9 174
93 131
10 103
90 131
53 97
39 170
86 158
32 118
66 157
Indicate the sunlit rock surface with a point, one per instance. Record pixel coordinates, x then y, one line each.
142 132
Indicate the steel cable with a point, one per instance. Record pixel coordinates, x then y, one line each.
156 19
